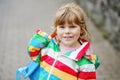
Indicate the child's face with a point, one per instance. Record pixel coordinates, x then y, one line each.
68 34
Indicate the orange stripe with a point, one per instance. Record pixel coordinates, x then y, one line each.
60 74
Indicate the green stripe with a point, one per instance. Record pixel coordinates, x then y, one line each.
83 61
68 53
97 63
38 59
40 38
53 45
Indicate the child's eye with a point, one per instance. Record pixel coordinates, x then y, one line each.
72 26
61 27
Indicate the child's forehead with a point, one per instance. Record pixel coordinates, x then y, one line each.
68 24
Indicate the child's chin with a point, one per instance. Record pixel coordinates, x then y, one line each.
68 43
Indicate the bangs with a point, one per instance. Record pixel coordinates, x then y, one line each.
67 17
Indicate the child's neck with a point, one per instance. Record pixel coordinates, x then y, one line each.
65 49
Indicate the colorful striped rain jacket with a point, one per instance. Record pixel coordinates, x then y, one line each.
78 64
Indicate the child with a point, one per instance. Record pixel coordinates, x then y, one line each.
65 54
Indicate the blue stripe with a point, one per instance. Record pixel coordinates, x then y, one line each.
44 74
37 43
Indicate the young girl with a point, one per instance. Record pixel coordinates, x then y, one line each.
65 54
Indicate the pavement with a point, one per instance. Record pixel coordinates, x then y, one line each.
18 21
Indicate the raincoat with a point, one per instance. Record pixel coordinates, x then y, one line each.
79 64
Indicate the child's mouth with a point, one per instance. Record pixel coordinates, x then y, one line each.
68 37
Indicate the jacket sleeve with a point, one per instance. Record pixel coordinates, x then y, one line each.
87 66
94 59
37 42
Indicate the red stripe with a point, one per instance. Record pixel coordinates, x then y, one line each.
32 54
59 65
65 68
82 52
87 75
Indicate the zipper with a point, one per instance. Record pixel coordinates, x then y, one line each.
52 66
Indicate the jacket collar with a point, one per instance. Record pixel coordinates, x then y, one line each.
78 53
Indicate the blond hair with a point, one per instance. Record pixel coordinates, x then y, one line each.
72 13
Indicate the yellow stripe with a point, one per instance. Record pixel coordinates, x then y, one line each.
93 57
33 49
41 33
58 73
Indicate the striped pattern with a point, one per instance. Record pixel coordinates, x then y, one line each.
77 54
62 73
69 66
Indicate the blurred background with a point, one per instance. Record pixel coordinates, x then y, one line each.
20 18
106 16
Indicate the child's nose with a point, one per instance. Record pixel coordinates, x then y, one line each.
67 30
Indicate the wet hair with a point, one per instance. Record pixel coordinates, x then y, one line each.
71 13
